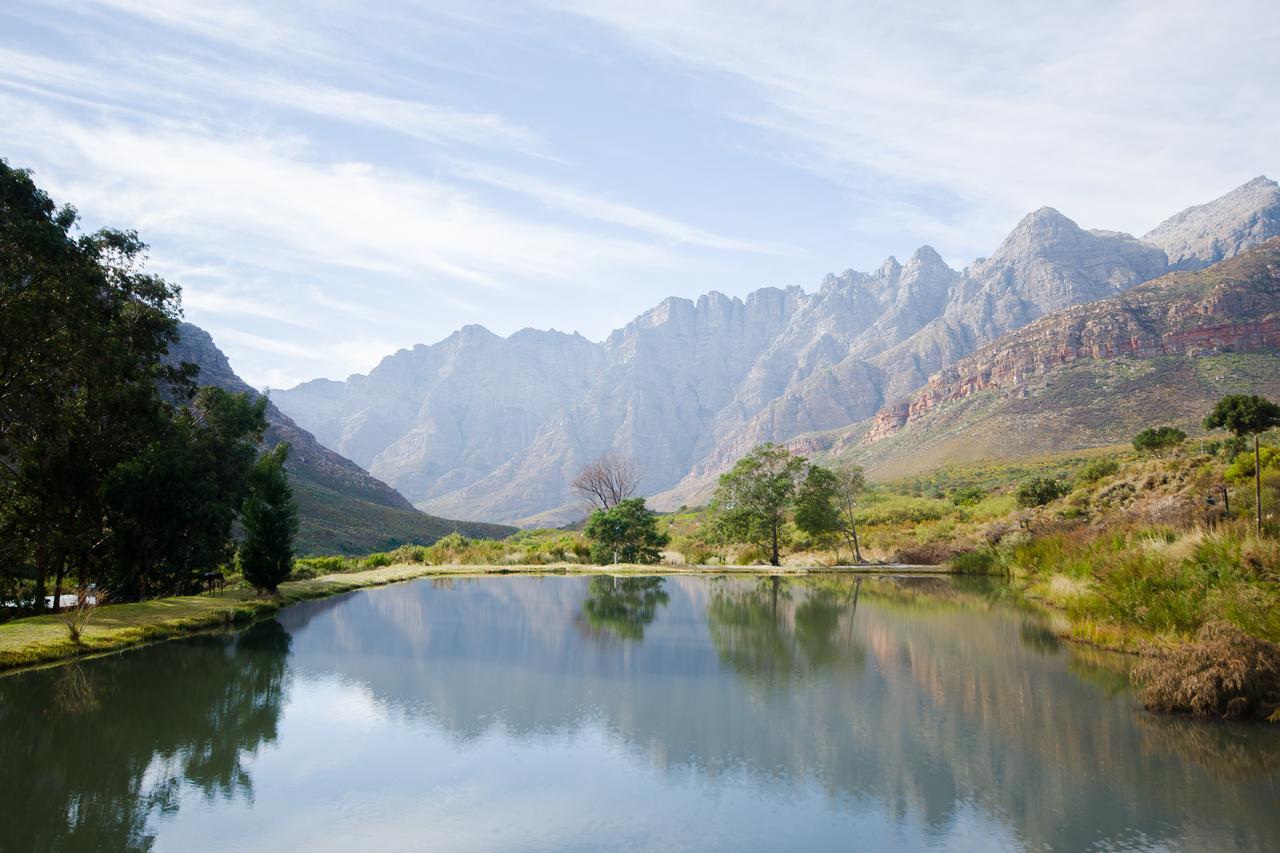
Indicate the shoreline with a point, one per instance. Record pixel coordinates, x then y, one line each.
39 641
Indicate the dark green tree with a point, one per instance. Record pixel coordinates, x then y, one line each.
754 498
270 519
171 508
1158 439
1247 415
827 501
82 335
1039 491
625 533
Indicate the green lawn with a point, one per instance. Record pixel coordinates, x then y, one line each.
43 639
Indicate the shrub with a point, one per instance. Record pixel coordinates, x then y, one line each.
1158 439
312 567
1097 470
1241 468
1224 673
968 496
1039 491
929 554
1139 588
980 562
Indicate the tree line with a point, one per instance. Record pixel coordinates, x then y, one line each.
765 491
771 490
116 470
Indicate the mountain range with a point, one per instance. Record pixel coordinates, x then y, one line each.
341 508
482 426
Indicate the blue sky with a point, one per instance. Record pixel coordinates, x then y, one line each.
332 181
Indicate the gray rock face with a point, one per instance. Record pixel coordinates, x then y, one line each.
480 426
307 458
1047 262
1208 233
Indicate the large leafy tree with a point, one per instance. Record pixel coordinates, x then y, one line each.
171 507
625 533
1158 439
754 497
82 334
110 471
1247 415
827 501
270 522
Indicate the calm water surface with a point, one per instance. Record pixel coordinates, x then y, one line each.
573 713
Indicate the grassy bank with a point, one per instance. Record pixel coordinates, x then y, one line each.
45 639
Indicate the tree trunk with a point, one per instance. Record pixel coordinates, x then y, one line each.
1257 486
57 585
857 550
773 559
42 563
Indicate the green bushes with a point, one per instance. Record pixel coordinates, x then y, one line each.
983 561
968 496
901 509
1039 491
1142 589
1158 439
1097 469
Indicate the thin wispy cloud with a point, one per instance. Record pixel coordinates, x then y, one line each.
382 175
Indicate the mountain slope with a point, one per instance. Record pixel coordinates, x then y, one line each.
1208 233
1091 375
341 508
483 426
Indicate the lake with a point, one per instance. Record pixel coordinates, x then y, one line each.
655 714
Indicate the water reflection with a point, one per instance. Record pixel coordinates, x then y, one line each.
91 753
772 637
622 607
678 712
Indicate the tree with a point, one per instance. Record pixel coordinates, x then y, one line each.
607 481
827 501
625 533
171 508
82 335
1158 439
1039 491
754 497
1245 415
270 519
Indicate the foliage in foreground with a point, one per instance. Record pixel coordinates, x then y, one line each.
1223 673
114 472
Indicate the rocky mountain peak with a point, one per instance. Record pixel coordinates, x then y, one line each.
1220 229
498 429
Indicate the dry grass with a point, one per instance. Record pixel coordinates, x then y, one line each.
1223 673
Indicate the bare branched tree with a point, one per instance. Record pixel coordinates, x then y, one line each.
608 481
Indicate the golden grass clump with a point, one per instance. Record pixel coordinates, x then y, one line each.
1224 673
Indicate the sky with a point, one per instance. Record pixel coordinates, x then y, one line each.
329 182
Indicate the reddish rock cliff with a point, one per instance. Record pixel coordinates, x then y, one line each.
1233 306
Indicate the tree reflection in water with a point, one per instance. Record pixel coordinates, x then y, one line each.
182 713
622 607
774 630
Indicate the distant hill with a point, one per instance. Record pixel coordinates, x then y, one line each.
483 426
1090 375
342 509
